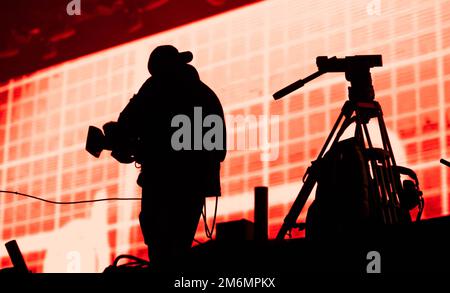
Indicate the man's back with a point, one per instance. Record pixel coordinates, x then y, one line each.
159 100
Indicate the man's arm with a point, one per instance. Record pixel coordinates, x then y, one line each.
130 119
128 129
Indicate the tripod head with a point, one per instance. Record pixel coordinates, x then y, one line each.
357 72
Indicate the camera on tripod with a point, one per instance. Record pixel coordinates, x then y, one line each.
334 64
123 145
357 183
357 72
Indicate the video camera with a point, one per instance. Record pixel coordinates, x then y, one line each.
349 63
123 146
356 69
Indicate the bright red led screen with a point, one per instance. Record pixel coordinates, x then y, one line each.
245 56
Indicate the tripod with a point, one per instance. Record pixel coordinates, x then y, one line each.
359 109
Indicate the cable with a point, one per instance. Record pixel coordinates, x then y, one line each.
208 232
131 266
136 260
421 207
69 202
197 241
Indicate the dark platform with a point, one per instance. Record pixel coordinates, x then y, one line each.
413 249
418 247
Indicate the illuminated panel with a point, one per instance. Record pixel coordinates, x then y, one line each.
244 55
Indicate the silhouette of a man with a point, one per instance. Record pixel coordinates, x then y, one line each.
174 182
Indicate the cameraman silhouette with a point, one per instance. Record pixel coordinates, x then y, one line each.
174 182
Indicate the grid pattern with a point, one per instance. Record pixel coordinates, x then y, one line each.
245 56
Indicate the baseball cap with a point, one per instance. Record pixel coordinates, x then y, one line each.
167 54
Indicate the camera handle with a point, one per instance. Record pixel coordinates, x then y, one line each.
445 162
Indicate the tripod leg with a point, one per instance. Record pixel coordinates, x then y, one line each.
386 182
401 214
380 193
291 219
382 180
345 124
391 163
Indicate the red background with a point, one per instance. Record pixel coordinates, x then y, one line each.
245 55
